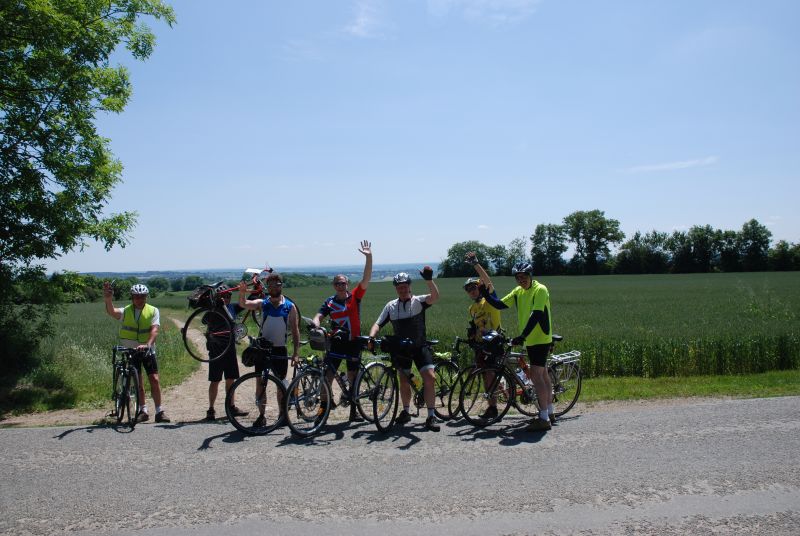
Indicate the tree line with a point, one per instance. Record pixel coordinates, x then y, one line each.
592 236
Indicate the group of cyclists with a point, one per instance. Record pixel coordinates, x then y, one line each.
139 323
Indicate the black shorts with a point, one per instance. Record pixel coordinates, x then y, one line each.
422 357
279 367
226 365
147 360
348 348
537 354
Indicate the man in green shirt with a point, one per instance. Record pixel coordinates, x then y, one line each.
532 301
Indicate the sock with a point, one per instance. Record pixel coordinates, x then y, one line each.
431 412
144 408
159 409
543 414
550 409
405 408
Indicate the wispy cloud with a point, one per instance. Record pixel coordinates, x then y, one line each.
483 227
671 166
366 19
287 246
496 12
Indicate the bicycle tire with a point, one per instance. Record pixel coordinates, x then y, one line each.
446 373
475 395
384 400
525 400
303 408
132 405
566 379
258 399
208 334
364 389
118 394
453 403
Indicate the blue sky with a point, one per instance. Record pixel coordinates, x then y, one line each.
289 131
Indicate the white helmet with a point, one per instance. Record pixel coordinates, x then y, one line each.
139 289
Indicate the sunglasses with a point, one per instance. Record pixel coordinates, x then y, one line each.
340 284
471 288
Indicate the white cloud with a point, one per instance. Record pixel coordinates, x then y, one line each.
366 21
482 226
496 12
671 166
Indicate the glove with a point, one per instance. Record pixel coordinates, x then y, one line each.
426 273
517 341
471 258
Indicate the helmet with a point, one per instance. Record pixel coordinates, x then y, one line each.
401 278
522 268
471 281
139 289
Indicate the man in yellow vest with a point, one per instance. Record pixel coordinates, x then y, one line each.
138 329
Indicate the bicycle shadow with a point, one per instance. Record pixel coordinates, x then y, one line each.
397 432
329 434
509 432
231 436
121 428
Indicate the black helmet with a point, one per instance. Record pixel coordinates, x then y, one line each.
471 281
401 278
522 268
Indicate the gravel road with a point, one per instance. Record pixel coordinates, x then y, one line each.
720 466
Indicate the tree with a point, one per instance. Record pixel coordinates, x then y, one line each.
705 247
592 233
176 284
780 257
56 171
679 246
643 254
754 241
548 245
505 257
158 283
454 266
191 282
730 257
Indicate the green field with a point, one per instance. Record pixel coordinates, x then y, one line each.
648 326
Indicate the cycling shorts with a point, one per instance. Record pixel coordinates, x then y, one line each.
348 348
279 367
422 357
147 360
537 354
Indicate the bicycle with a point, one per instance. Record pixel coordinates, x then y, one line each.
505 383
305 412
125 385
386 394
253 392
453 402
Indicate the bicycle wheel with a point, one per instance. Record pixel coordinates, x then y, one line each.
453 405
446 374
384 400
118 395
131 395
566 380
364 388
525 398
475 396
208 334
259 401
304 411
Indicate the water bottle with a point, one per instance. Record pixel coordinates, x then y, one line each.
416 381
522 377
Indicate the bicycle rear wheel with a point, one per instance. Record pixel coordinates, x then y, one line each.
364 388
566 380
131 395
259 401
384 400
446 374
525 398
453 404
305 413
208 334
476 395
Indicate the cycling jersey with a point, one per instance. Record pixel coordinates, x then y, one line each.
407 318
345 314
536 298
275 326
484 317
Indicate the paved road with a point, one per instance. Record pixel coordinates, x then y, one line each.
728 467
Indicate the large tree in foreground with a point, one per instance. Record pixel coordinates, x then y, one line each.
56 171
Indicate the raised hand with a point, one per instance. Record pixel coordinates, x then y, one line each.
366 248
471 258
426 273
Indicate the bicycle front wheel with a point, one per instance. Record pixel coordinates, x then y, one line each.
208 334
118 394
453 405
364 388
566 380
384 400
305 413
253 403
131 396
446 374
479 396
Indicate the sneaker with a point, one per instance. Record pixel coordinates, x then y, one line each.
260 422
142 417
552 419
538 425
432 424
490 413
236 412
162 417
404 417
355 416
211 415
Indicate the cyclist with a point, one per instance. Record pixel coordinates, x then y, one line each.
226 364
483 319
532 301
407 315
280 318
139 324
343 309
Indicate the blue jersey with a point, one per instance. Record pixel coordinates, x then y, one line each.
274 328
